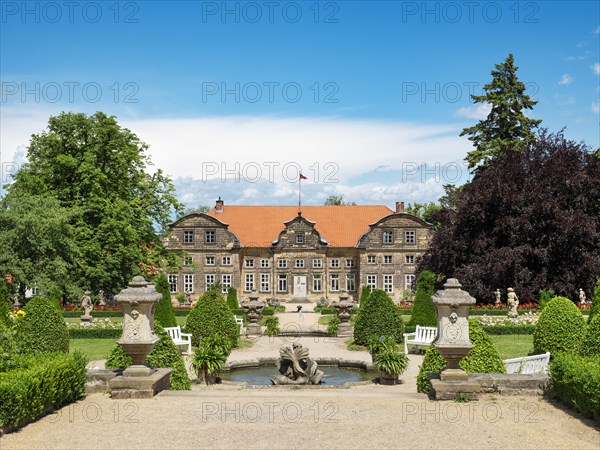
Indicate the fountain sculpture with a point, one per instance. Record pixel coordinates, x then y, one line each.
296 367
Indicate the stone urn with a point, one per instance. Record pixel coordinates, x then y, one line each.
273 302
343 309
452 305
138 301
253 308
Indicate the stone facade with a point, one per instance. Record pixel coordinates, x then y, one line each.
298 264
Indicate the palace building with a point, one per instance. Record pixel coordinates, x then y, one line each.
298 254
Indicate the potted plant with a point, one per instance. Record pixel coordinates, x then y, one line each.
391 363
208 361
272 324
377 345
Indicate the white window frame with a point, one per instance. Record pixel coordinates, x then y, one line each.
188 283
226 281
409 259
350 263
388 283
334 263
209 260
207 280
350 282
371 259
317 282
298 264
249 263
334 282
408 281
388 237
265 282
226 260
210 236
264 263
317 263
282 263
188 236
372 281
282 283
249 282
172 278
388 259
410 237
300 239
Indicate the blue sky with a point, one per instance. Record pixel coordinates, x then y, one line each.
365 98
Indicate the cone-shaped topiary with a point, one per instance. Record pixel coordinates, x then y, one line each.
365 292
232 300
595 301
423 312
482 358
42 329
378 318
211 316
164 314
164 354
560 328
591 343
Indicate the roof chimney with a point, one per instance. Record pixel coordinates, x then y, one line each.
219 205
399 207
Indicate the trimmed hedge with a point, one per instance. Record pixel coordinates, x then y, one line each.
560 328
503 330
423 312
164 354
43 329
482 358
102 314
41 382
595 301
210 316
164 313
5 308
95 333
591 343
379 317
575 381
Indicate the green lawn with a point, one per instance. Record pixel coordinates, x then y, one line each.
513 346
93 348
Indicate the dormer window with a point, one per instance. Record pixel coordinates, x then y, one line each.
299 239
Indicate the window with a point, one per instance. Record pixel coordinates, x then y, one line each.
350 264
282 283
249 282
188 282
410 259
264 263
299 263
387 259
282 263
370 259
350 282
225 283
265 282
299 239
388 283
209 280
388 237
409 237
317 283
188 260
226 260
210 260
172 283
408 281
249 263
317 263
335 282
210 236
334 263
372 282
188 237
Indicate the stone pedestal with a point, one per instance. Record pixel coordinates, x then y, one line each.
449 386
343 309
254 309
85 319
144 386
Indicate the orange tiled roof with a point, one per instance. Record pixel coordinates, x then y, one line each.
340 226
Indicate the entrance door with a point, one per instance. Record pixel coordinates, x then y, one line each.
299 286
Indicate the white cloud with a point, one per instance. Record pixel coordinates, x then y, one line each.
566 79
478 112
562 100
596 107
596 68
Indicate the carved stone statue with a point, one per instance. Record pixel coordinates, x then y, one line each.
87 305
16 304
296 367
101 298
498 295
513 302
582 299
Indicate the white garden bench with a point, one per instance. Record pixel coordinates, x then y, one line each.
528 364
239 321
180 338
422 337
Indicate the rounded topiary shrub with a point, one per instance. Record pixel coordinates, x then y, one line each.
5 308
42 329
591 343
379 317
423 312
560 328
211 316
365 292
232 300
165 354
164 314
482 358
595 301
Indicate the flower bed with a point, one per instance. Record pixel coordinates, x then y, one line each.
96 329
527 319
